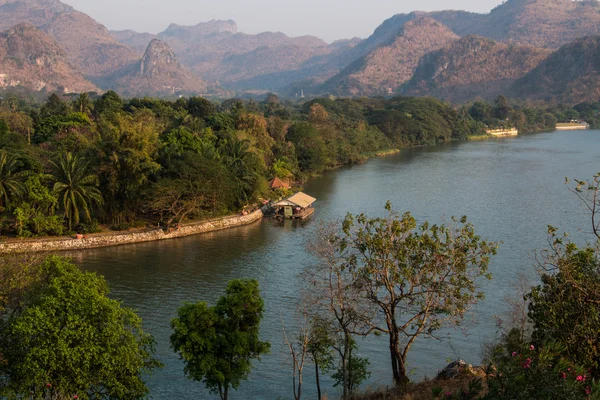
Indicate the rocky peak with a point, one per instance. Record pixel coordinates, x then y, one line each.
158 54
203 28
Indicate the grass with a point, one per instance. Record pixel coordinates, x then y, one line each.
422 390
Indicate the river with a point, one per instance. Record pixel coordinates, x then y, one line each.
510 189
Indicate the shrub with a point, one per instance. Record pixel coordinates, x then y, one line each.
521 371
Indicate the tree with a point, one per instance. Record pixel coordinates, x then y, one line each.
565 307
337 310
83 104
69 339
54 106
299 350
589 194
219 343
502 108
76 189
11 180
199 107
126 155
418 278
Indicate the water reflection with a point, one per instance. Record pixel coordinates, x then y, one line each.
510 189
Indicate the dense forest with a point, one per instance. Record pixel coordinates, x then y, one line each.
70 164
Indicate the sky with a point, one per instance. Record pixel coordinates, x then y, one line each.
328 19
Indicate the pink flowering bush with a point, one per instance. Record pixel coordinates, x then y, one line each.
521 371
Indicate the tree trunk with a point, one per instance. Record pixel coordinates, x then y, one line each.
225 392
398 363
317 379
345 359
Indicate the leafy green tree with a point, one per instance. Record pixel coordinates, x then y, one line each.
310 148
54 106
502 108
565 307
109 104
199 107
418 278
35 214
83 104
357 371
76 189
126 158
219 343
68 338
245 166
11 180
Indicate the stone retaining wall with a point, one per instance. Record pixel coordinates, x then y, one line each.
125 238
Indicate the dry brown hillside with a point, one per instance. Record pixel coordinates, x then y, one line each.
390 66
31 59
541 23
570 75
473 67
89 45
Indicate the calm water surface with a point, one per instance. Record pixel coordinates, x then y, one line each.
511 189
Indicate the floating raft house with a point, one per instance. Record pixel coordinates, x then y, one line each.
298 206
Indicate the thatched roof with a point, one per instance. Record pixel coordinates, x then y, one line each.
277 183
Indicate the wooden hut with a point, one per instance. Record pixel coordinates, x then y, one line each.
298 206
277 183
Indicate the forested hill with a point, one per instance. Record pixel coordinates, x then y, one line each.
473 67
570 75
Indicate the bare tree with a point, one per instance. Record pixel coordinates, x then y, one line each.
589 194
333 297
299 350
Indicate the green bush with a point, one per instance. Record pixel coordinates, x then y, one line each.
88 227
520 371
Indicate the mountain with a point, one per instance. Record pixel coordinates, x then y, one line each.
158 73
570 75
87 44
35 12
216 51
31 59
541 23
134 40
384 69
473 67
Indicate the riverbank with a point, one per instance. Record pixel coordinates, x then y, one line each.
114 239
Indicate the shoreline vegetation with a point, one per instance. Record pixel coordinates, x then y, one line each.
72 165
106 239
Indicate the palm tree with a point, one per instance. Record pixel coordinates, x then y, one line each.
83 104
242 164
11 180
77 191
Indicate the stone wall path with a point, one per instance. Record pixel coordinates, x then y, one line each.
113 239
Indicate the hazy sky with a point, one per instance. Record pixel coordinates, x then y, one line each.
327 19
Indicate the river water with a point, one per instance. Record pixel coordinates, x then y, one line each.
510 189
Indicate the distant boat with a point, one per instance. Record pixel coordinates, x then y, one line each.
502 132
572 125
298 206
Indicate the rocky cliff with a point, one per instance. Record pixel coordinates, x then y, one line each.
32 60
158 73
